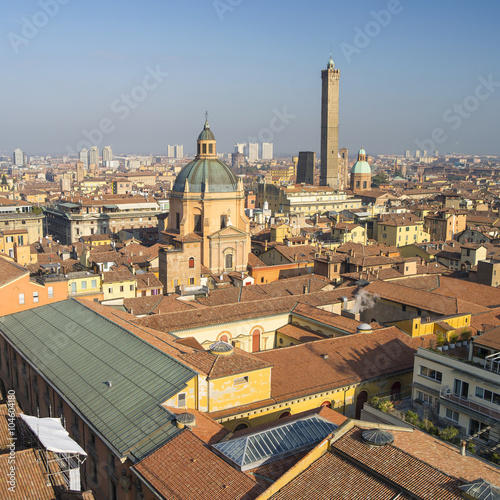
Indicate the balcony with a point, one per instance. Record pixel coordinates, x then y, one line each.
471 405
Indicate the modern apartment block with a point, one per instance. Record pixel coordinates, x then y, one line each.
463 392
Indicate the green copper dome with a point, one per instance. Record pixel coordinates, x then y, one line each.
361 167
206 175
206 134
361 152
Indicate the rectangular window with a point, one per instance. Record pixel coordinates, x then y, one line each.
240 380
432 374
181 400
425 398
93 283
121 288
191 281
35 297
488 395
21 298
452 414
110 289
461 389
84 285
197 223
50 291
131 288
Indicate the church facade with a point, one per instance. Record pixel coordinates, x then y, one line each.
206 222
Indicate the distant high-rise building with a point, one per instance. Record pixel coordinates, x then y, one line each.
436 153
417 153
407 154
107 154
179 152
240 148
252 151
94 156
18 158
84 158
237 160
305 167
330 126
425 153
267 151
170 151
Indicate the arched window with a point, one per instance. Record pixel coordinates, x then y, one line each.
191 262
224 338
240 427
328 404
204 148
360 401
199 149
229 261
285 414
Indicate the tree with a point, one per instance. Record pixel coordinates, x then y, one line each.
379 179
4 180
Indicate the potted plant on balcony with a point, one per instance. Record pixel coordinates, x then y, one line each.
466 335
453 339
439 341
446 344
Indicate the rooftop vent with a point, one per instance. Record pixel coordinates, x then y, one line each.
221 348
109 383
364 328
185 419
377 437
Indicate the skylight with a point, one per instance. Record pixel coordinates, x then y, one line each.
252 450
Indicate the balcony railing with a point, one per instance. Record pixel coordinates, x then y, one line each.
471 405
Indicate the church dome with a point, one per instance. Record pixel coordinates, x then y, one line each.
361 166
206 175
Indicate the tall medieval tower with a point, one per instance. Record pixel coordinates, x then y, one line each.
330 126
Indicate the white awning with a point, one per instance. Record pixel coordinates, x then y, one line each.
52 435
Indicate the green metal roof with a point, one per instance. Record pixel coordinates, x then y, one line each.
78 351
361 167
206 175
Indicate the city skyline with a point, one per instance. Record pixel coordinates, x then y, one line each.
414 75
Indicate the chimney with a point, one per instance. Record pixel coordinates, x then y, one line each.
464 445
344 300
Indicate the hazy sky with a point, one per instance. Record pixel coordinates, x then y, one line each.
138 75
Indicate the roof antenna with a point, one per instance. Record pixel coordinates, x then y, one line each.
206 116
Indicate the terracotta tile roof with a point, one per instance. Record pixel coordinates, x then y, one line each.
336 478
397 220
367 250
398 467
205 428
300 333
31 477
99 256
254 261
486 321
186 469
327 364
327 317
117 276
223 366
146 281
139 306
9 271
297 253
433 302
445 457
191 342
490 339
